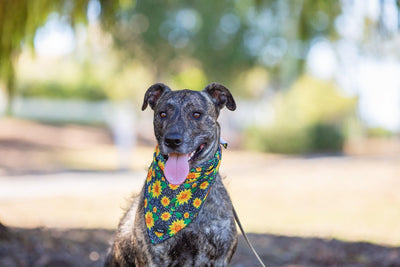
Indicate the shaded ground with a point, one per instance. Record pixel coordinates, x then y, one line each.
28 147
72 247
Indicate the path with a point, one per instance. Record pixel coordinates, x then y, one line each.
74 184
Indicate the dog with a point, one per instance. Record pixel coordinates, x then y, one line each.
188 137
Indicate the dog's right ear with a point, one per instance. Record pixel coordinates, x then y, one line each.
153 94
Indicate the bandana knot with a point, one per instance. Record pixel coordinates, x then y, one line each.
169 208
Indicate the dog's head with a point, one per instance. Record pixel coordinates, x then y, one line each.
185 125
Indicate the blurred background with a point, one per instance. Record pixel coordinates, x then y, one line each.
313 164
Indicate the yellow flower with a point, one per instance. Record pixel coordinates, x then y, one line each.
161 165
165 201
154 209
204 185
159 234
186 215
189 181
176 226
174 186
198 169
197 203
145 202
156 190
148 179
193 175
149 220
184 196
165 216
194 185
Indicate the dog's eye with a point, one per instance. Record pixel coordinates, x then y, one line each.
196 115
163 115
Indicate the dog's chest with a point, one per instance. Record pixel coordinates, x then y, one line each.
207 238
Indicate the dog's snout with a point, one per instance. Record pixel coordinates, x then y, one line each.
173 140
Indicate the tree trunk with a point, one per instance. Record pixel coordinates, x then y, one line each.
10 88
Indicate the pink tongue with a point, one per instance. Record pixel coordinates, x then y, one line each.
176 168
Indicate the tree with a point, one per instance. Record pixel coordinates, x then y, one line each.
19 20
223 38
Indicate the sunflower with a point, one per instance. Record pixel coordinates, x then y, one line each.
174 186
176 226
186 215
149 220
165 216
192 176
156 189
145 202
204 185
197 203
165 201
161 165
184 196
189 181
159 234
154 209
148 179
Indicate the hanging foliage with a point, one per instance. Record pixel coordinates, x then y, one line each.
19 20
220 39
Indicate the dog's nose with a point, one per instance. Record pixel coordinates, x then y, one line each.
173 140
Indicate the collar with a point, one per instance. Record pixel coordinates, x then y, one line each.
170 208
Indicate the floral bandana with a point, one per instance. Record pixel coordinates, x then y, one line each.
169 208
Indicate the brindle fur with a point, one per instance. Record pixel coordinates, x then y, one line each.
210 239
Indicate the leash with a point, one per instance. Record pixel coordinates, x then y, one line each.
225 145
246 238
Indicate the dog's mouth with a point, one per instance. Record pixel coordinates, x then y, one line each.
177 165
195 154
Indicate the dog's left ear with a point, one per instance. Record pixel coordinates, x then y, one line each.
153 94
220 95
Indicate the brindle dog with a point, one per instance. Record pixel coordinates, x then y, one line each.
185 121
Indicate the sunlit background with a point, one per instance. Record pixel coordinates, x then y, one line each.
313 145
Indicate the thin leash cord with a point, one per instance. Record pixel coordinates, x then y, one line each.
246 238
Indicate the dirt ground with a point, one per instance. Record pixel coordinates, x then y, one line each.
294 209
77 247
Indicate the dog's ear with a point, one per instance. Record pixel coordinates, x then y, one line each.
220 95
153 94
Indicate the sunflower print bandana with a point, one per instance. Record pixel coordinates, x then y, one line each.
169 208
